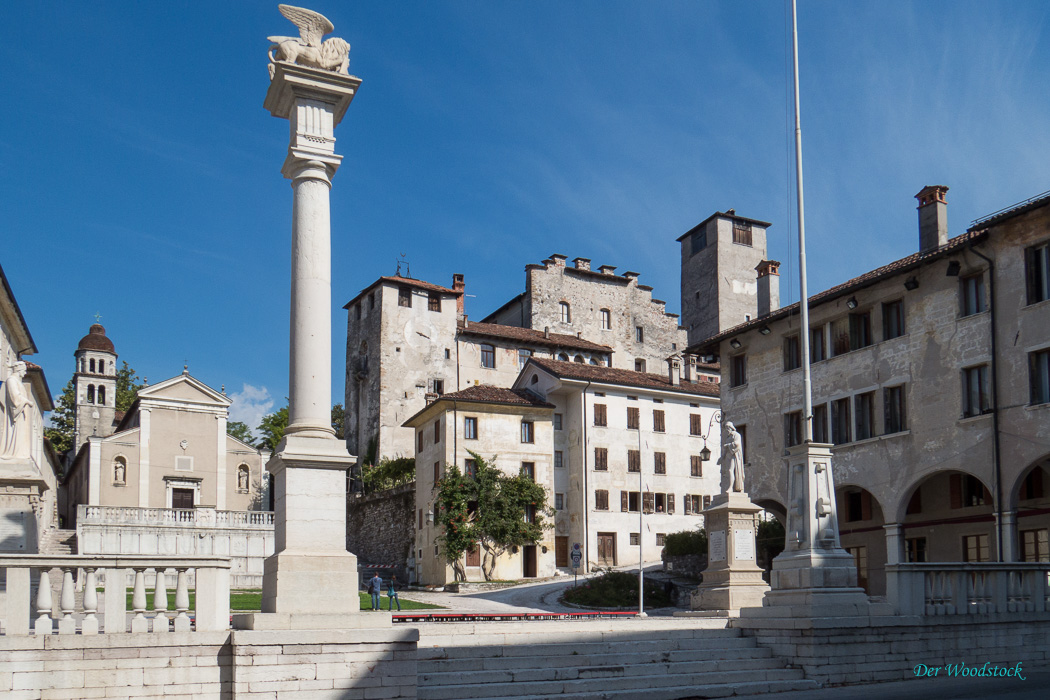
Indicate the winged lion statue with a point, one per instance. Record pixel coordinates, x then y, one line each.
307 49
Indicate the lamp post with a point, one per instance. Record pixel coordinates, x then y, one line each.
705 453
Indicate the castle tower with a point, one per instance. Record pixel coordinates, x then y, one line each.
719 284
95 383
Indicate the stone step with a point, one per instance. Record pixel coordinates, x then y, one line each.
592 668
675 692
532 647
614 658
603 686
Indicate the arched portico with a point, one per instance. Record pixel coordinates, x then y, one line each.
947 516
862 533
1028 517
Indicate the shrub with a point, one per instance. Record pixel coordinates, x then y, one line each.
617 589
687 542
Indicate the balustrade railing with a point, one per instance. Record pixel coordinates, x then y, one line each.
949 588
203 517
212 594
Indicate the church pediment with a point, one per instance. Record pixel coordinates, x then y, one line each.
183 389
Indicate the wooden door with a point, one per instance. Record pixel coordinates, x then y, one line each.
606 549
528 561
182 498
474 556
561 551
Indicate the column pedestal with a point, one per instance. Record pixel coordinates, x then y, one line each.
732 580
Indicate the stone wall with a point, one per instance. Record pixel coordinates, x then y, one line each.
231 664
380 528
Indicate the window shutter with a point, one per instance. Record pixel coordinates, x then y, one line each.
688 504
670 503
623 501
865 505
955 488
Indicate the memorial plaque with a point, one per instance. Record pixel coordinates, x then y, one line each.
12 530
744 545
716 546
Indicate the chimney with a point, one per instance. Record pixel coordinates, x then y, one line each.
547 332
558 259
689 368
458 286
607 269
933 217
674 370
582 263
430 398
768 287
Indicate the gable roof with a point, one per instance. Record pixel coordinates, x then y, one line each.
405 281
485 394
528 335
624 377
896 267
209 395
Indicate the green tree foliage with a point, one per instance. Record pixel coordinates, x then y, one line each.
272 427
63 420
128 386
388 474
492 508
241 431
338 416
686 542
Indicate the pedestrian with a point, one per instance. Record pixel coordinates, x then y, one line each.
375 587
391 594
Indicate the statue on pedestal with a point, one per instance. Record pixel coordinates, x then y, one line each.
17 434
307 49
732 460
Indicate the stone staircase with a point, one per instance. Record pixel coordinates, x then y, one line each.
59 543
660 659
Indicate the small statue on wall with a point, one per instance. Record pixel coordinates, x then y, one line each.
119 471
242 479
307 49
16 439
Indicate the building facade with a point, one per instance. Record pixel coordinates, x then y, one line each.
931 378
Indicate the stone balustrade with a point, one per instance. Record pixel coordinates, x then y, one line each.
174 516
953 588
212 589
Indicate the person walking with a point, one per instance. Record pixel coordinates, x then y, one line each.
391 594
375 587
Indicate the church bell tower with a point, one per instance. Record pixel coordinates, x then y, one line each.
95 383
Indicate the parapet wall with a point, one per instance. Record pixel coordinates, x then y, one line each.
380 528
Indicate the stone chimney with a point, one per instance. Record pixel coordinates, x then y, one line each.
547 332
768 287
582 263
607 269
933 217
689 368
674 370
430 398
458 286
558 259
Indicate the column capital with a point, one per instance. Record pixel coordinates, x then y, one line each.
292 83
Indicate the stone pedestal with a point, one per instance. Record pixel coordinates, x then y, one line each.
814 576
21 489
732 579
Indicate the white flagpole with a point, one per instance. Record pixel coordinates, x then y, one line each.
803 303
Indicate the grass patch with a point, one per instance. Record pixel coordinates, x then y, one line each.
617 589
251 600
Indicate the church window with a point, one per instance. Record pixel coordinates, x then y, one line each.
91 393
102 396
566 313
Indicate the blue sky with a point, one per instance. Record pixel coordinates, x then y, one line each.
142 181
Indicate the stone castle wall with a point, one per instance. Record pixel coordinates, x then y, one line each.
380 528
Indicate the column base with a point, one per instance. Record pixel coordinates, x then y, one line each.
308 583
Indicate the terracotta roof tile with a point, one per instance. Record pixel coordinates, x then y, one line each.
612 375
486 393
406 281
867 279
528 335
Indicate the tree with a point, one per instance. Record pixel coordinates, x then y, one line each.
388 474
338 416
272 428
63 420
127 387
241 431
493 508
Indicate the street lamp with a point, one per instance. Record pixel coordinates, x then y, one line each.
705 453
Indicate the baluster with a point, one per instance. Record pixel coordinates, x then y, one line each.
139 623
90 623
182 602
928 602
43 623
68 603
160 603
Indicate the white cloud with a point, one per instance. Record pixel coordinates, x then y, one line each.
250 404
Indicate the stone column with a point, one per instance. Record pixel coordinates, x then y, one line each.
311 580
1010 541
